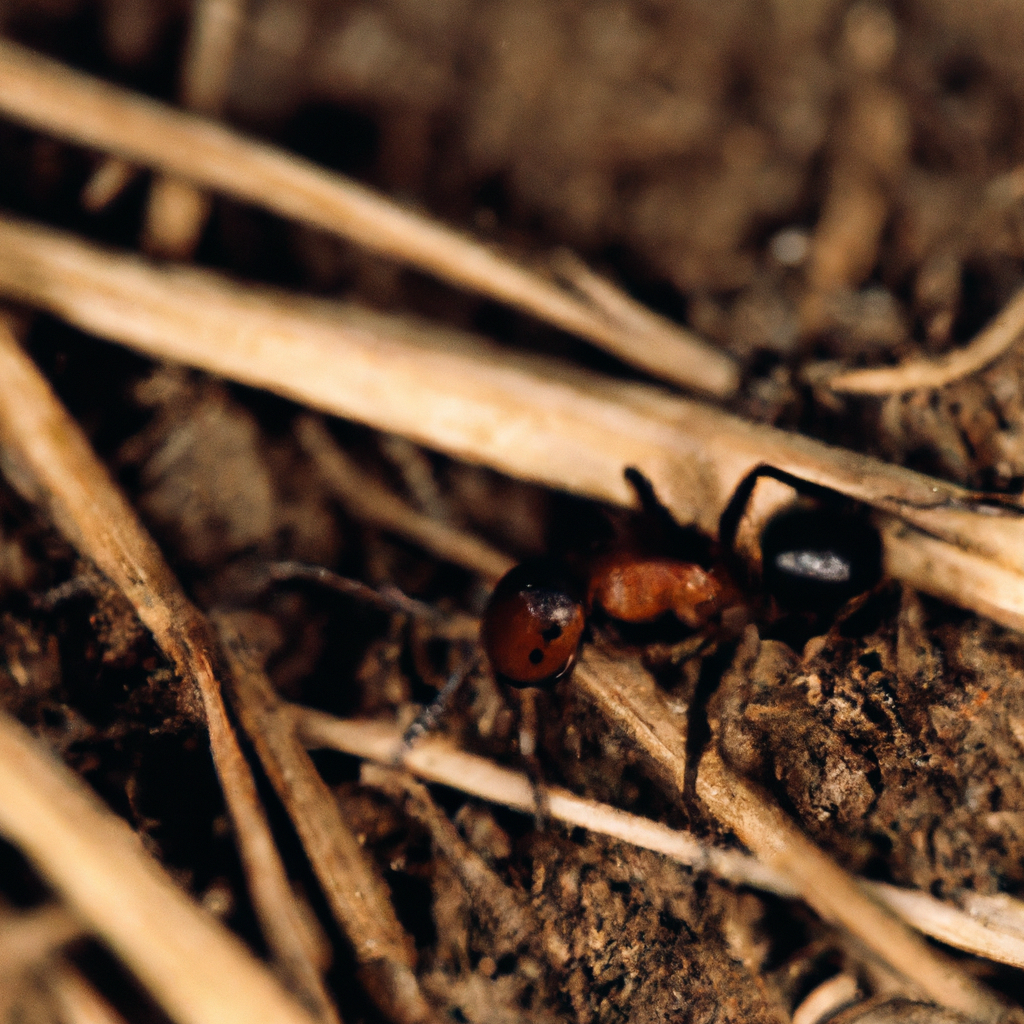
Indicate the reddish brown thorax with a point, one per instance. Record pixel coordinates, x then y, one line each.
636 588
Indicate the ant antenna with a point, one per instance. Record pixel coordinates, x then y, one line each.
427 720
387 598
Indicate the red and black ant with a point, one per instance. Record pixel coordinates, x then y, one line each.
815 557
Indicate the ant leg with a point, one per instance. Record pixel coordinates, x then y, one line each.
678 540
529 722
427 720
650 504
732 516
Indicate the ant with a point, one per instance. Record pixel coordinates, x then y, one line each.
816 555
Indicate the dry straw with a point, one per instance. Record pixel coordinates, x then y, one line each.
924 373
526 416
56 99
991 927
192 965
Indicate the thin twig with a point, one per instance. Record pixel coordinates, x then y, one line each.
197 970
48 458
357 896
992 929
434 758
178 210
451 624
110 178
922 373
530 417
32 936
824 1001
649 340
367 499
54 98
387 598
75 999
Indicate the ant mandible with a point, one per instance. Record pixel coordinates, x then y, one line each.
816 555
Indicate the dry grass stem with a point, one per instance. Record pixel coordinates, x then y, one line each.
996 937
197 970
357 896
175 218
993 929
54 98
48 458
1002 912
649 341
32 936
111 177
825 1000
436 760
526 416
629 699
177 210
831 892
367 499
922 373
75 1000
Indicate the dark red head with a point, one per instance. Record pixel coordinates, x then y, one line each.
533 624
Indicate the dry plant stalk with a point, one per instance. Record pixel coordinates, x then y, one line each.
762 826
47 457
990 927
33 936
75 1000
923 373
530 417
764 829
195 968
629 700
178 210
434 758
367 499
823 1002
54 98
107 182
358 897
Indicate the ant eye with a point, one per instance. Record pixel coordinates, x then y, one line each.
817 559
533 624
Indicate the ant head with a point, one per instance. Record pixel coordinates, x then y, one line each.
533 624
814 557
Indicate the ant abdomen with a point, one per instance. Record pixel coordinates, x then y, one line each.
816 559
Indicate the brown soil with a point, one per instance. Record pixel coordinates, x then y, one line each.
796 181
